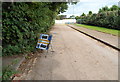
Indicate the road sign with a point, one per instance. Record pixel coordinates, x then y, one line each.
44 41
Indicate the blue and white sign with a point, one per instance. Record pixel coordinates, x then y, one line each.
44 41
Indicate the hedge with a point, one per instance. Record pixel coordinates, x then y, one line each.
107 19
22 22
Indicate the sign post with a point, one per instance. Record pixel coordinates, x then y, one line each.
44 41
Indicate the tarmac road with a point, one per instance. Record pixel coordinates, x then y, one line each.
108 38
75 57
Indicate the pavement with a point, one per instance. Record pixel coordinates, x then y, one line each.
108 38
74 56
12 61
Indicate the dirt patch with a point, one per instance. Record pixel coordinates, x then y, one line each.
26 66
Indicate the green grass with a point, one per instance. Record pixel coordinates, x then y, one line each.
101 29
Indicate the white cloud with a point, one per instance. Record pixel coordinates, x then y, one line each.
84 6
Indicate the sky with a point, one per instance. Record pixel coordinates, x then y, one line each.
84 6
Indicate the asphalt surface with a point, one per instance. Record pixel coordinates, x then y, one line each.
74 56
108 38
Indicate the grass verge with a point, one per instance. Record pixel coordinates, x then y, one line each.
101 29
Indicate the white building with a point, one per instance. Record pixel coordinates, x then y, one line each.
65 21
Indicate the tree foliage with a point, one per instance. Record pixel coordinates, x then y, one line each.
83 14
60 17
90 13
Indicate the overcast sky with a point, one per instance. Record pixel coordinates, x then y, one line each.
84 6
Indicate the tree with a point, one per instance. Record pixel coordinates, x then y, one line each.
83 14
77 17
72 17
105 8
114 7
90 13
100 10
60 17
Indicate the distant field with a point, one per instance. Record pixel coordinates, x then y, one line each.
101 29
